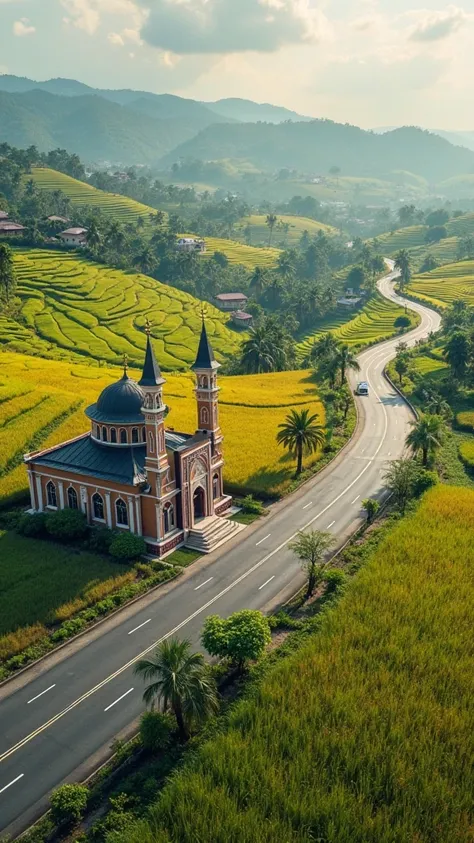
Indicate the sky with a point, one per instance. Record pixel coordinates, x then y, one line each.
369 62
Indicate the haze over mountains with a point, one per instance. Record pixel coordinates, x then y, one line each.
138 127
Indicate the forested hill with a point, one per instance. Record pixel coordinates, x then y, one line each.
318 145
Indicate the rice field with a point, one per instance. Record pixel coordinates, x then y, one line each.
248 256
365 733
374 323
414 239
42 403
260 233
466 452
444 285
88 309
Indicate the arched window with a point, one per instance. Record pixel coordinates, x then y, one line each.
113 434
104 434
204 416
168 513
72 498
121 512
123 436
97 431
143 434
215 486
134 435
98 506
203 381
51 494
151 443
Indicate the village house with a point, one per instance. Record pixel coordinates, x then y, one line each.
242 319
190 244
231 301
130 472
74 236
9 228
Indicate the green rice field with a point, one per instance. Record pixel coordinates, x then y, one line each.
93 310
365 733
444 285
248 256
414 239
260 233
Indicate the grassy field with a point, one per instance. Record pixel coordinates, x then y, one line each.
365 733
100 312
42 403
445 284
260 233
374 323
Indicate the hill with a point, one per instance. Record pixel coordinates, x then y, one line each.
287 231
247 111
99 312
321 144
413 238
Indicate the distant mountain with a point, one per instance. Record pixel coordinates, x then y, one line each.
247 111
318 145
465 138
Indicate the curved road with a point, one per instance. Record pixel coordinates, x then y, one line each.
59 718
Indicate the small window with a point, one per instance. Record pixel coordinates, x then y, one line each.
123 436
134 435
143 434
204 416
121 510
72 498
97 431
151 443
98 506
51 494
113 434
168 513
215 486
104 434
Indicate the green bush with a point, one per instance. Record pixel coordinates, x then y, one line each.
127 547
100 539
143 569
67 525
335 580
424 480
68 629
155 730
250 505
68 803
32 526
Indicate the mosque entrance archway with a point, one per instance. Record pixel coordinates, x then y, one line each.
199 503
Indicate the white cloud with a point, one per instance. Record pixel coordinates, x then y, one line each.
22 27
132 35
434 26
116 39
83 14
226 26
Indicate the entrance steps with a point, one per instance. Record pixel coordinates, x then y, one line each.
211 532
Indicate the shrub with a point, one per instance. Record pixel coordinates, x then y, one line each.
155 730
143 570
371 507
32 526
68 629
335 580
21 638
402 322
100 539
424 480
68 803
67 610
241 637
465 421
102 589
250 505
67 525
127 547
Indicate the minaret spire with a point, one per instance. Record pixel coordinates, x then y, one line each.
205 356
151 375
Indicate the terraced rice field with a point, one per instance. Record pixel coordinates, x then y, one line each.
113 205
249 256
297 225
42 403
100 312
414 239
374 323
444 285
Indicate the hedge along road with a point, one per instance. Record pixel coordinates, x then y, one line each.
59 715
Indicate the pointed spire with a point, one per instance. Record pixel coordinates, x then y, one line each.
151 375
125 368
205 356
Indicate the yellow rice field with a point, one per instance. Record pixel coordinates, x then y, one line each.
444 285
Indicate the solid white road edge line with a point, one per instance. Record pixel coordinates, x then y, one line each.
120 698
355 499
203 583
330 525
308 505
40 695
266 583
263 540
139 627
13 782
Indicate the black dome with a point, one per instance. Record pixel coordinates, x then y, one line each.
119 402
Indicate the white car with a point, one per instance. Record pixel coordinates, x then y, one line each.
362 388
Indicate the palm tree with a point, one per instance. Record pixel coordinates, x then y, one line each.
181 682
271 221
7 273
456 352
426 436
258 352
346 360
325 347
93 235
145 260
301 434
310 548
402 263
286 264
257 282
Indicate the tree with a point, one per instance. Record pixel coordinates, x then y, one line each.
426 435
437 218
377 265
399 480
402 322
403 265
68 803
301 434
257 354
401 366
371 507
356 278
310 548
456 352
466 247
271 221
257 282
429 263
346 360
437 233
407 215
436 405
155 729
181 683
7 273
242 637
324 348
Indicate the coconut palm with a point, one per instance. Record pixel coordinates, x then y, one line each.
402 263
181 682
257 282
346 360
94 237
301 434
271 221
325 347
258 351
426 436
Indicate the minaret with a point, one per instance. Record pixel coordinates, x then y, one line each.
207 391
154 410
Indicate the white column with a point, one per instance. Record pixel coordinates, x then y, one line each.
108 510
138 517
131 517
61 494
39 492
84 501
32 489
158 522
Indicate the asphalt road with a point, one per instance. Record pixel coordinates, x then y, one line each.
58 716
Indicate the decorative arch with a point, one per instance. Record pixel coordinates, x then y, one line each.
121 512
104 434
216 486
204 416
98 506
199 503
72 498
151 442
51 494
113 434
123 436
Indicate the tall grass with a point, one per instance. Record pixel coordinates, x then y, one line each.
365 734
